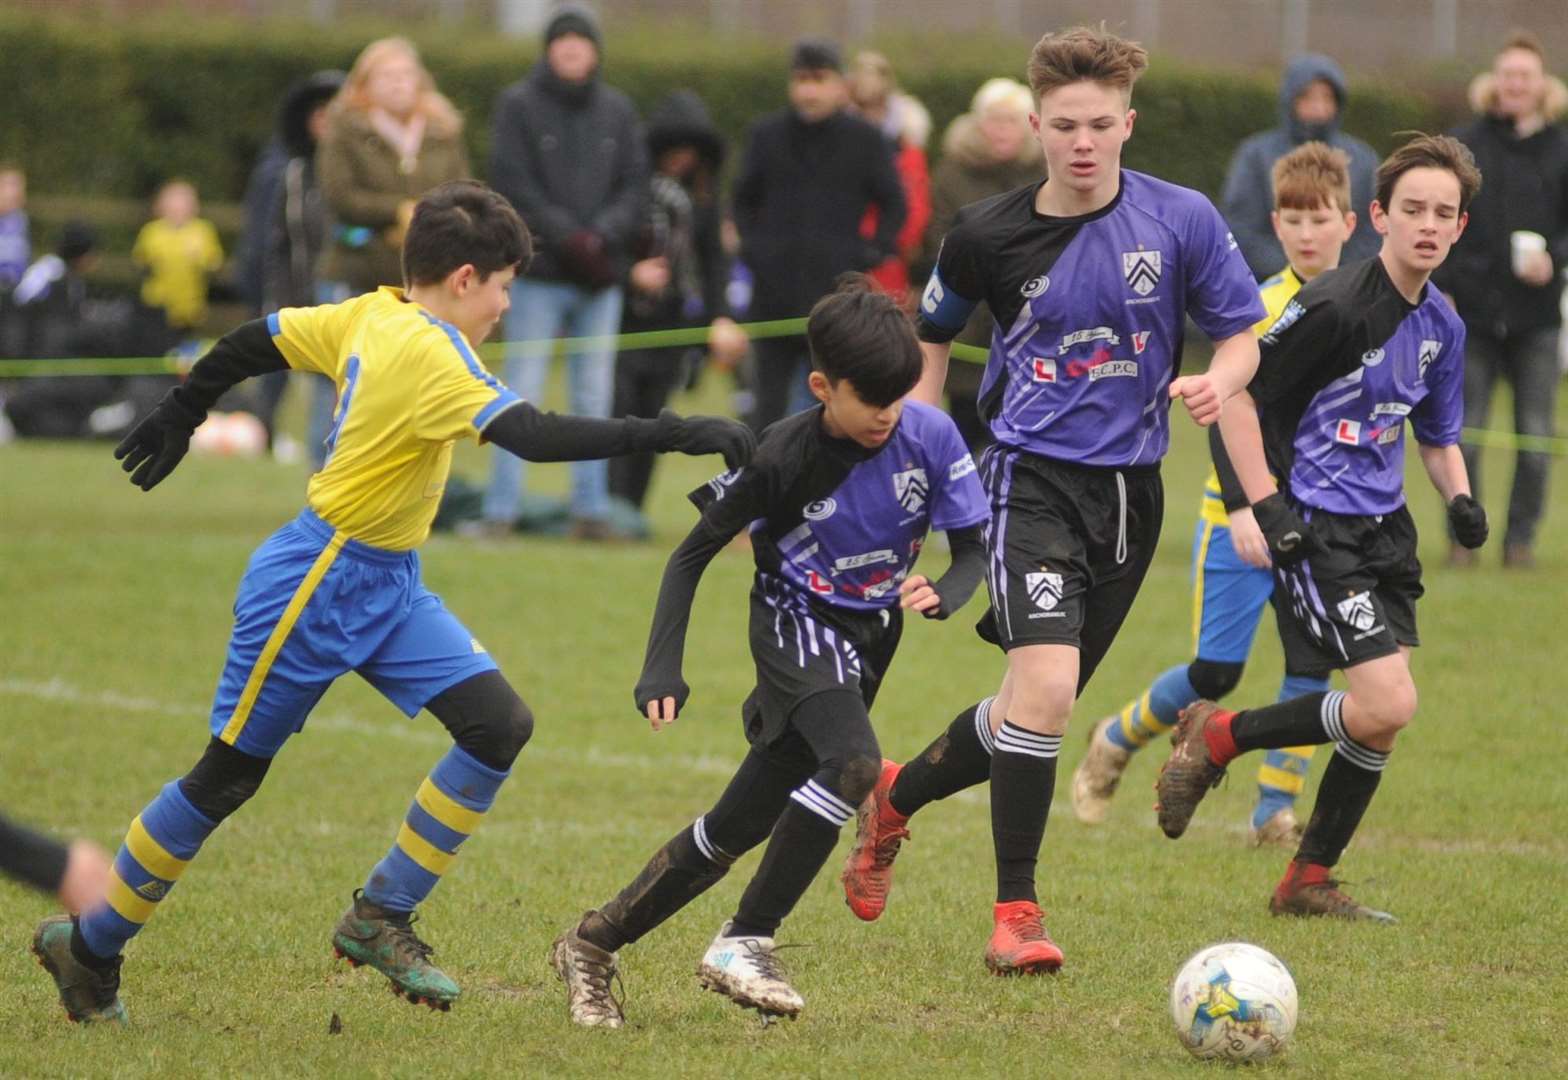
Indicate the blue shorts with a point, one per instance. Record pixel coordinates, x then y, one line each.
314 605
1228 597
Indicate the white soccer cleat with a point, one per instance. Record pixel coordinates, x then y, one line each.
747 971
1280 830
587 971
1098 775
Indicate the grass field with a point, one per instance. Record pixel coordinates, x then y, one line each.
116 608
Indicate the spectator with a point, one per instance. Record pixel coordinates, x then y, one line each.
986 151
810 172
178 250
907 125
568 151
390 136
678 279
1505 273
1311 104
15 247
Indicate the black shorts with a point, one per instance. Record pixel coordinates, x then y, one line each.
1356 600
1069 546
802 649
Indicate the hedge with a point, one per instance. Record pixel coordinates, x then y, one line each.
110 110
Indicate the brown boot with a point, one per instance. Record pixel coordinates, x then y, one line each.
1189 774
1308 890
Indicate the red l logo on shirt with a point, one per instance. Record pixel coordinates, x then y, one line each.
1349 431
1045 370
818 583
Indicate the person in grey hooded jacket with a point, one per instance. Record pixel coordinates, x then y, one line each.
1312 98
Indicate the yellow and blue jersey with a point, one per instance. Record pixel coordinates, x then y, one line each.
409 386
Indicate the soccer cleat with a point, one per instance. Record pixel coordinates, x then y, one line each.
384 940
90 995
587 971
1019 944
1280 830
1308 890
1099 774
1188 774
748 972
879 830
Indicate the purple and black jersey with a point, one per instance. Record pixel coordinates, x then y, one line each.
1089 313
1344 366
841 523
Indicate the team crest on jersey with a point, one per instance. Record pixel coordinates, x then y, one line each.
1348 432
1045 589
1357 610
820 510
911 488
1140 341
1142 270
1045 369
1035 286
1429 351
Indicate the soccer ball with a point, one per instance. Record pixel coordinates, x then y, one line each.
236 434
1235 1002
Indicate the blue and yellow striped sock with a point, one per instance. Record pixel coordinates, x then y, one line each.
1283 773
159 846
446 811
1154 713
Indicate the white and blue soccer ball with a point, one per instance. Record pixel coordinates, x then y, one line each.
1234 1002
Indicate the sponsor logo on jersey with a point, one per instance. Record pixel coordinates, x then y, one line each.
932 298
1035 286
1286 320
1357 610
1140 341
961 468
911 488
818 583
820 510
1098 333
1429 351
1390 408
1142 270
1348 432
880 585
869 558
1113 369
1390 434
720 484
1045 369
1372 357
1045 589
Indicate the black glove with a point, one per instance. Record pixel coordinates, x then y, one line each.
586 261
653 687
156 444
707 435
1467 518
1289 538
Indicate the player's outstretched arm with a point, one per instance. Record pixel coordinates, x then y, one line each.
77 874
661 689
157 443
1235 362
1445 466
543 436
940 598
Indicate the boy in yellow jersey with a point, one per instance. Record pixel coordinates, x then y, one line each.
1313 219
339 588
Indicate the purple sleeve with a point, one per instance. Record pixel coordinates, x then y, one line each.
1222 295
960 500
1437 420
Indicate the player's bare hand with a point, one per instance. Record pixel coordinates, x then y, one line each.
1199 394
1247 539
661 712
651 276
86 877
916 594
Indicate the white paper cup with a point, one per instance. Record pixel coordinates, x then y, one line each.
1524 243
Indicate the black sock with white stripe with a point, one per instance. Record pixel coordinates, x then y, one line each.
802 840
1023 777
1348 784
678 873
1308 720
959 758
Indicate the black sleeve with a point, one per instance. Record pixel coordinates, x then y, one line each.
956 288
963 574
1230 486
661 666
1293 349
546 436
31 857
243 352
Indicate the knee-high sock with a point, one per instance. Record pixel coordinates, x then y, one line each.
1349 781
679 872
1154 713
801 842
959 758
1023 777
1284 770
445 812
160 844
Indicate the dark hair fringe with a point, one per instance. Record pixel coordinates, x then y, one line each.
856 332
462 222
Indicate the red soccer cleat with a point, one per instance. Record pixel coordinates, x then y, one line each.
1019 944
879 830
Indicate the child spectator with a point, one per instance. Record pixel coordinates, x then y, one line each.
178 249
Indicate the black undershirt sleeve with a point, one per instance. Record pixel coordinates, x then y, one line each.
1230 485
244 352
964 572
662 662
545 436
31 857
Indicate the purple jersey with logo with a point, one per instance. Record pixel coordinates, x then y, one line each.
1344 366
1089 313
15 249
840 523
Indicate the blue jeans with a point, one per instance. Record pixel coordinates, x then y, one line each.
542 310
1529 362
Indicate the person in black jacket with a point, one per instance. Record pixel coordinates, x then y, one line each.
1505 273
808 175
569 153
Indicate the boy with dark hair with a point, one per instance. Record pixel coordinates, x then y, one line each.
339 588
1353 356
1090 276
837 502
1231 580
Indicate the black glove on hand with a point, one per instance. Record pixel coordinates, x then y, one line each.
1289 538
155 445
707 435
1468 520
586 261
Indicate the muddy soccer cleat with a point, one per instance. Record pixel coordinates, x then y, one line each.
385 940
1019 944
1189 774
587 971
1280 830
879 830
90 995
1099 774
1308 890
747 971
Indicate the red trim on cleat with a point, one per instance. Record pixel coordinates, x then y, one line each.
1019 944
1217 738
879 830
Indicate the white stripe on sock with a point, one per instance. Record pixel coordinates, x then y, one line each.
822 802
1017 740
1360 756
983 725
699 833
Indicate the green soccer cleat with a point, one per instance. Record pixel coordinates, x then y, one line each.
90 995
385 940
